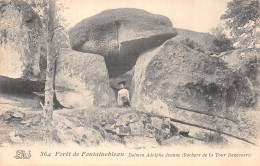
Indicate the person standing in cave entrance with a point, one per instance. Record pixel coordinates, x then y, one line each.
123 99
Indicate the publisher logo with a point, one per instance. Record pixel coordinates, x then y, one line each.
21 154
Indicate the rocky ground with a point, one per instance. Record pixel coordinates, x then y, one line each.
182 94
23 124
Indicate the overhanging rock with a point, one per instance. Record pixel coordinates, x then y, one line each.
120 35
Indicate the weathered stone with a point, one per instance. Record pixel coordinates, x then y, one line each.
140 124
168 129
145 119
103 122
20 33
153 132
137 128
36 120
123 130
7 116
202 41
174 74
15 138
81 135
126 118
65 138
244 62
113 138
26 122
157 122
120 35
82 80
110 127
117 31
17 114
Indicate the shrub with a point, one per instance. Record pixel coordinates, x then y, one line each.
192 44
188 42
221 44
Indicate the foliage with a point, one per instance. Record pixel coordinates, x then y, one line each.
192 44
60 37
219 30
53 38
239 13
188 42
242 18
220 43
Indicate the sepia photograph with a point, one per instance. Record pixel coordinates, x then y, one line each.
129 82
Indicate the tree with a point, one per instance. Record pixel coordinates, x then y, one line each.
219 30
53 38
50 71
242 18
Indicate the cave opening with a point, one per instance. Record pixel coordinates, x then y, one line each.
120 66
23 92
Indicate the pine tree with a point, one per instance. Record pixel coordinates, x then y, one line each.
242 18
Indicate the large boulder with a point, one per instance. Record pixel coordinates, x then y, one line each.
82 80
202 41
120 35
173 75
20 31
245 62
176 81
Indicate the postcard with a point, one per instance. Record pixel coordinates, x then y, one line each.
129 82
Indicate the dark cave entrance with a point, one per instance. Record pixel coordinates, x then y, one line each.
120 66
22 90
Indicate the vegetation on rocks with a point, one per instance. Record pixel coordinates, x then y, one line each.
193 88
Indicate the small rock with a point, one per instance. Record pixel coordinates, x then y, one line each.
127 118
123 130
156 122
152 131
145 119
132 117
149 133
86 136
7 115
17 115
65 138
116 115
113 138
168 129
36 120
14 138
103 122
137 128
26 122
110 127
100 129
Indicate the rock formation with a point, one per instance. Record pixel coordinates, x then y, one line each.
175 75
82 80
132 128
203 41
120 35
245 63
20 31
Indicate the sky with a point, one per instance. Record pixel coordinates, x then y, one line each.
196 15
